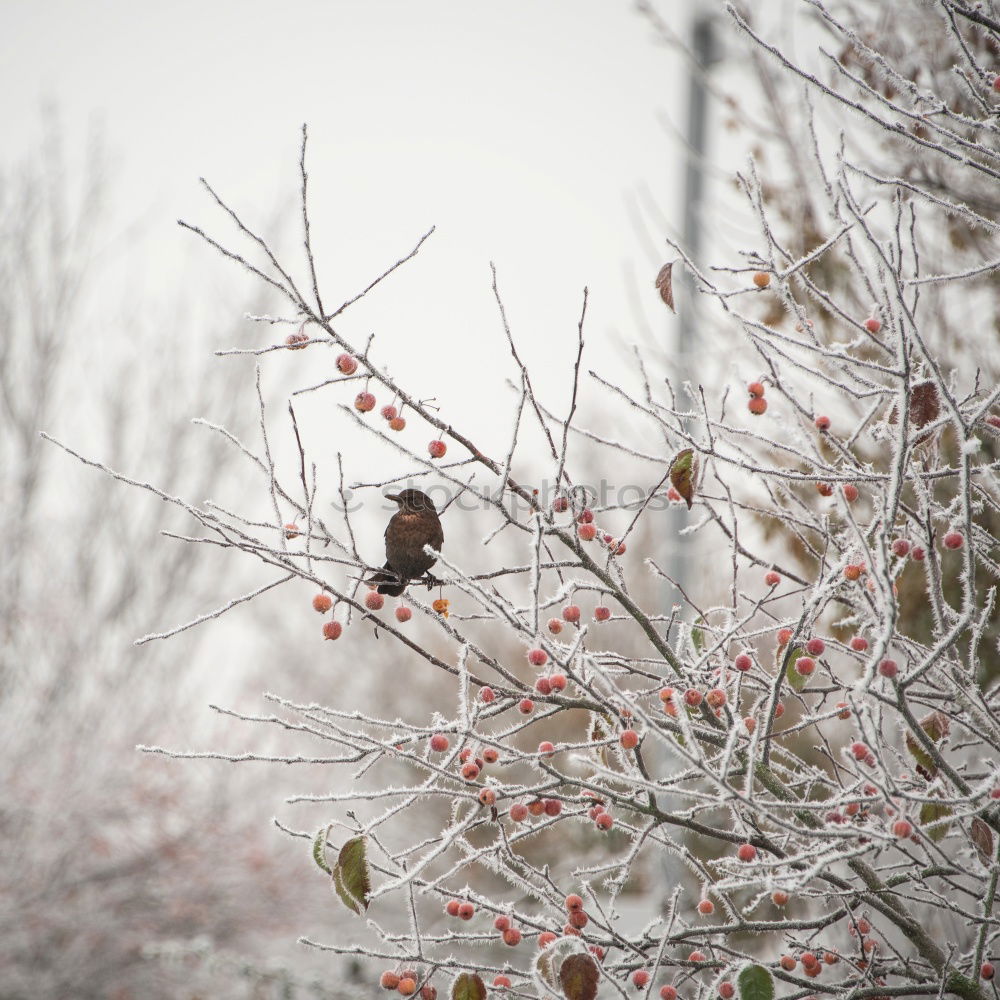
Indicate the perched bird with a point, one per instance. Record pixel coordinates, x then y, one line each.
413 526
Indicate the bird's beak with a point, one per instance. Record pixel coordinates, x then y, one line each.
393 496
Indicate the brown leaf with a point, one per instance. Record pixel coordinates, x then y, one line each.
468 986
683 471
982 839
578 977
924 404
665 286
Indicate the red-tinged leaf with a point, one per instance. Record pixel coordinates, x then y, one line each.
925 405
683 472
351 878
468 986
319 849
796 681
578 977
936 725
982 840
665 286
755 983
930 812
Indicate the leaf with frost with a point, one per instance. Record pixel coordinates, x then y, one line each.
665 286
755 983
351 878
578 977
319 848
683 473
468 986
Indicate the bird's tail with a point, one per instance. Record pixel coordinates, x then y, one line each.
388 581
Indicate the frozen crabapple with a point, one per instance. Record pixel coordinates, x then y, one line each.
571 613
888 668
543 686
668 992
716 698
772 579
560 505
640 978
573 902
545 939
824 489
779 897
403 614
437 448
512 937
873 324
555 626
557 682
466 911
332 630
518 812
693 697
815 647
546 748
918 554
322 603
743 662
850 492
784 634
526 706
746 853
761 279
587 532
822 423
487 694
346 364
629 739
292 531
501 982
440 743
374 601
601 613
757 405
900 547
756 389
604 821
364 402
389 980
859 644
902 829
388 411
805 665
706 907
397 424
537 657
726 990
953 540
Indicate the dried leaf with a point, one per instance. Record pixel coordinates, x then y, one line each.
755 983
683 472
351 878
936 725
600 729
578 977
468 986
925 406
796 680
665 286
982 840
698 636
319 849
929 813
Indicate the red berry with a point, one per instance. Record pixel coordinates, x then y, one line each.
706 907
346 364
332 630
788 963
864 927
601 613
902 829
986 970
578 919
560 505
784 634
604 821
716 697
439 743
824 489
586 516
491 755
953 540
756 389
859 751
805 665
518 812
536 807
830 958
543 686
757 405
743 662
364 401
900 547
587 532
750 723
502 981
873 324
466 911
640 978
571 613
815 647
397 424
668 993
322 603
486 694
850 492
526 706
859 644
403 613
407 987
779 710
487 797
918 553
779 897
822 423
512 937
502 923
772 579
629 739
428 992
374 600
574 902
888 668
388 411
746 852
452 907
726 990
545 938
389 981
852 571
470 771
693 697
292 531
808 960
546 749
845 711
696 956
558 682
436 449
555 626
673 496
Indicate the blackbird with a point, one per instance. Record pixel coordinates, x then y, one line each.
413 526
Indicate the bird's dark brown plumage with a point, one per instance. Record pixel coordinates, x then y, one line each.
413 526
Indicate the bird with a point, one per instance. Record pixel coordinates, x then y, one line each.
413 526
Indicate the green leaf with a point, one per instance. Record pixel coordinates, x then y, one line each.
319 848
683 472
929 813
796 681
755 983
468 986
698 636
936 725
350 875
578 977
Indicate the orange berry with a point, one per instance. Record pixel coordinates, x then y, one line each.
322 603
